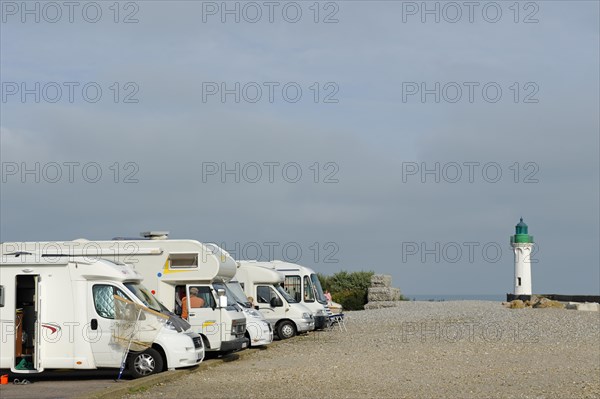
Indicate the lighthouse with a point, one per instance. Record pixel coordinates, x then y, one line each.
522 243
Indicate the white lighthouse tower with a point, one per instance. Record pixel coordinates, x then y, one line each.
522 244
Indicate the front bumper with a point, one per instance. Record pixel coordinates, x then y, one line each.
304 325
179 356
235 344
321 322
260 332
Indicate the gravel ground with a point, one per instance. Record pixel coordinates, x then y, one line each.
460 349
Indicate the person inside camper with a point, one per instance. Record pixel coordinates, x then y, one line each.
195 302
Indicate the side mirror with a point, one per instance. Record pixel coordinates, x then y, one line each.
222 298
276 302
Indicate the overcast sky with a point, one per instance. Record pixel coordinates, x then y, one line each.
386 94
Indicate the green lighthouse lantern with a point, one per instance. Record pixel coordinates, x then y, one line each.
521 234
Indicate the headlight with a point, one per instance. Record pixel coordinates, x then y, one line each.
170 326
306 315
252 313
321 312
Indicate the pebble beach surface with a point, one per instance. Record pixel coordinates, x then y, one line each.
458 349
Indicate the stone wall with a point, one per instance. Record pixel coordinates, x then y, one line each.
381 293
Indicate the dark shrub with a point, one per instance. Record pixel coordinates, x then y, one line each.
348 289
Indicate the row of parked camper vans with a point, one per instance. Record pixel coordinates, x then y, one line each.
94 304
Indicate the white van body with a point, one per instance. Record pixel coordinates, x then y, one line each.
263 284
258 330
53 314
303 285
170 268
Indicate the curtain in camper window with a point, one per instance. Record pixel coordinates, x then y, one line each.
104 299
294 287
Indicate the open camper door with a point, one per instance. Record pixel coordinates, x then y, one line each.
37 341
28 337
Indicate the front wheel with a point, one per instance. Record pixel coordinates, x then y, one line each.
145 363
286 330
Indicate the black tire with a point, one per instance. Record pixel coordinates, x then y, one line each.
286 329
142 364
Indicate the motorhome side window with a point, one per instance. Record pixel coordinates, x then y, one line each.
293 287
309 293
183 261
263 294
205 293
104 300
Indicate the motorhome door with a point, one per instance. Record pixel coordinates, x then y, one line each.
202 313
101 331
27 324
264 294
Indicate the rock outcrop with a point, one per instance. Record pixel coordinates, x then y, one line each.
534 302
381 293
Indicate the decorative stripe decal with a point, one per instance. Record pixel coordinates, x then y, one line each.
52 327
166 269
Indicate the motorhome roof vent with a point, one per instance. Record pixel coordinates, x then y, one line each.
155 235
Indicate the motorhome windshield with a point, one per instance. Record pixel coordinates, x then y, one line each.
285 294
238 294
318 289
145 296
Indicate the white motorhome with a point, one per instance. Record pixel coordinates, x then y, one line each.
263 283
170 269
258 329
59 313
303 284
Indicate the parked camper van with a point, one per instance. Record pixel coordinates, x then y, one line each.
258 329
62 313
304 286
281 310
171 269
